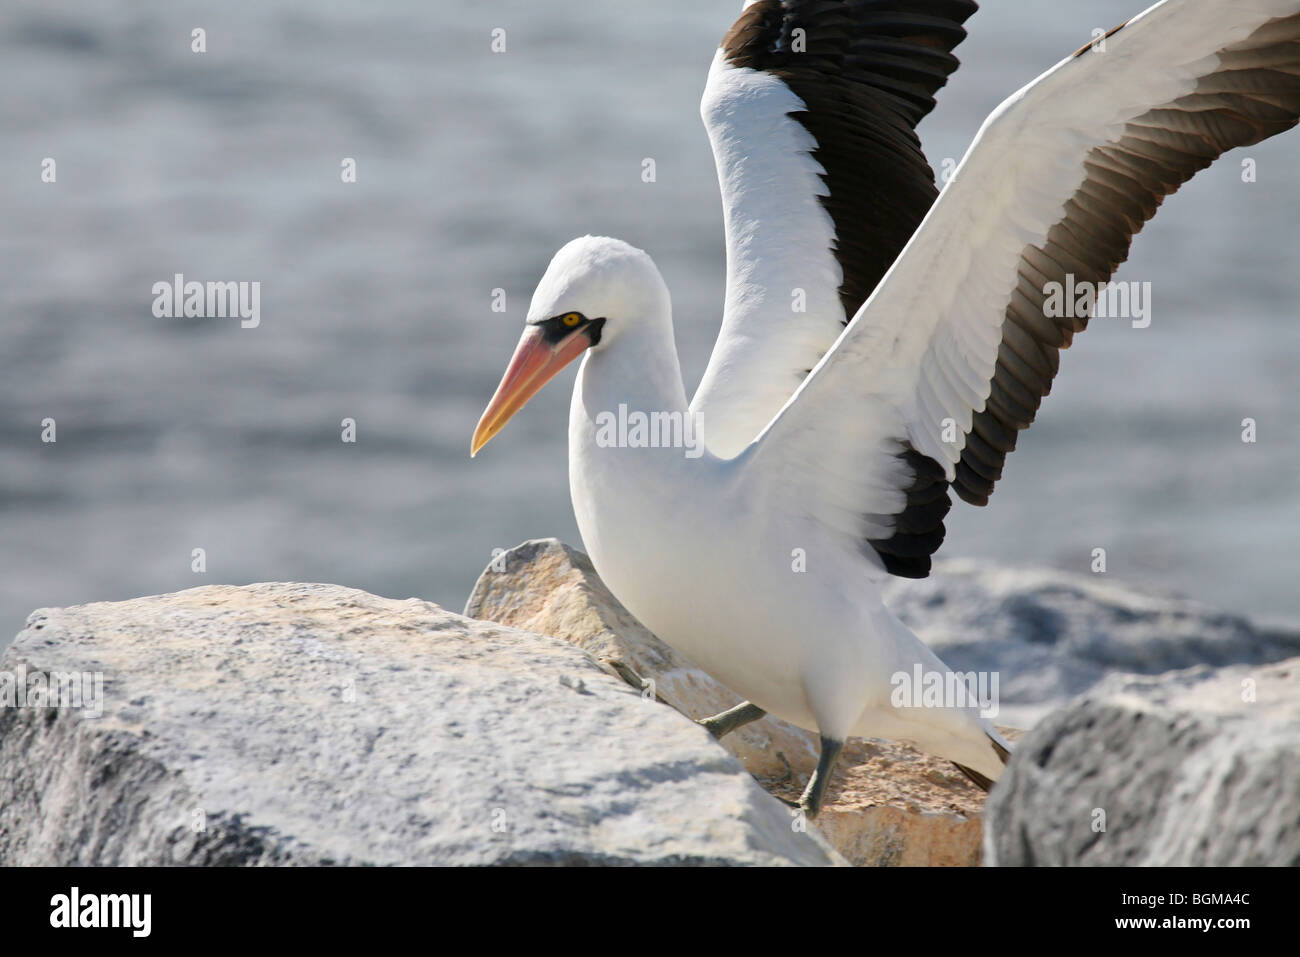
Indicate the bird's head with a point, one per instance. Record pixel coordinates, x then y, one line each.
593 287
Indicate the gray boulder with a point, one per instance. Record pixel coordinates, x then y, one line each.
1053 635
315 724
1196 767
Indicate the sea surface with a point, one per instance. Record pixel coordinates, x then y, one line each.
472 168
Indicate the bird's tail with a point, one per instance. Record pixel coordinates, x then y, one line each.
1000 748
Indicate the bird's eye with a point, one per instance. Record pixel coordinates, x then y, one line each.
570 319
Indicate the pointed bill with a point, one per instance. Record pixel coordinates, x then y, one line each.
536 362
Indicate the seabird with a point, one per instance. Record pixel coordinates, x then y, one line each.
880 348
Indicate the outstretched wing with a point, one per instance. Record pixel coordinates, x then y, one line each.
811 107
952 354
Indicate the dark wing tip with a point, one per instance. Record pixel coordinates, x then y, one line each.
918 528
867 72
903 50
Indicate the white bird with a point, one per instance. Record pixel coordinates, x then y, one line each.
841 442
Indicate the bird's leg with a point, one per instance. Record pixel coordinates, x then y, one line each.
731 719
813 794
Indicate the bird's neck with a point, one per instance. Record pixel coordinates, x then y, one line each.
629 425
638 371
632 447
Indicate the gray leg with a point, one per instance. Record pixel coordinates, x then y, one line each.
732 719
813 794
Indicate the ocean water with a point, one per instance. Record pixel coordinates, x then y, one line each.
472 168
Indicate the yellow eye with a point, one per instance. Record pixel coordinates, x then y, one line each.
571 319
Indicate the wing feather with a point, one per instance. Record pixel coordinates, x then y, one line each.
811 108
952 355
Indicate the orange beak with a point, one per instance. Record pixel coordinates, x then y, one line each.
535 363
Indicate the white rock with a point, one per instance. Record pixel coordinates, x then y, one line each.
888 804
303 724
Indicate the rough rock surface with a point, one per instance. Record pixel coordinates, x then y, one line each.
1196 767
887 803
308 724
1053 635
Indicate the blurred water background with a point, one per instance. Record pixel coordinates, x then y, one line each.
473 167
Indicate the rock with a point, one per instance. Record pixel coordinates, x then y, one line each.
887 803
551 589
312 724
1184 770
1053 635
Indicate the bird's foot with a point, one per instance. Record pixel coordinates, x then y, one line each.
731 719
815 793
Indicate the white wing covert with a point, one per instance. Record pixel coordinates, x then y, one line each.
811 108
951 356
